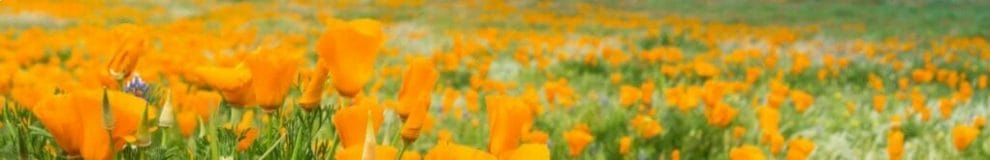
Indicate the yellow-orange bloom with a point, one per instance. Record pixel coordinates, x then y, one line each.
963 136
981 82
879 103
246 133
313 93
922 75
351 122
979 121
647 127
799 149
417 86
380 153
629 95
531 151
274 72
769 118
624 145
132 43
647 89
774 139
233 83
536 137
577 139
75 120
444 151
413 125
946 106
895 144
349 50
509 118
720 114
705 69
746 152
192 106
802 100
738 132
220 78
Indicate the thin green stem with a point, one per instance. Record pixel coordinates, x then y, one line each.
113 149
164 134
403 150
336 142
272 148
212 138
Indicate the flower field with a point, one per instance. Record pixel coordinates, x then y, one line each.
489 79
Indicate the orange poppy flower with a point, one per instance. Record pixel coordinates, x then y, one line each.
76 121
769 118
753 74
131 45
616 78
981 82
629 95
234 83
979 121
879 103
246 139
738 132
246 133
531 151
536 137
450 96
417 86
444 151
946 106
187 122
746 152
349 50
192 106
895 144
6 79
922 75
471 99
509 118
774 139
721 114
802 100
799 149
274 72
351 122
577 139
624 144
313 93
647 89
963 136
380 153
411 128
220 78
647 127
705 69
414 97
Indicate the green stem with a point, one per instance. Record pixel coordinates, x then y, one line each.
213 140
336 142
113 150
403 150
191 147
272 148
164 135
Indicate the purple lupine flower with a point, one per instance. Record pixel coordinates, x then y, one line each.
137 87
